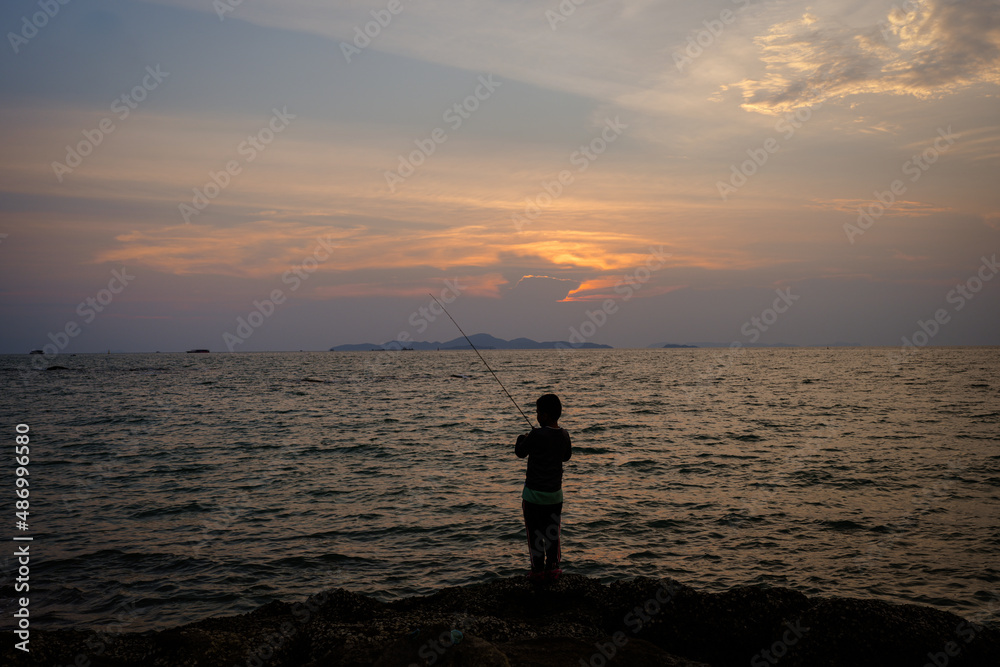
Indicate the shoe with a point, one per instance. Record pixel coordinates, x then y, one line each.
536 577
553 574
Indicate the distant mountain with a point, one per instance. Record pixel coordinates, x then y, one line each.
482 341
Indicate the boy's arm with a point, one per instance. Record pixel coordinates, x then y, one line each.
521 446
567 448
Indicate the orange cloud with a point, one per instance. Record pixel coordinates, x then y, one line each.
487 285
268 247
258 249
616 287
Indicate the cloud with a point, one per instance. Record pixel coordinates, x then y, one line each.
259 249
484 285
544 289
615 287
938 48
899 207
610 53
264 248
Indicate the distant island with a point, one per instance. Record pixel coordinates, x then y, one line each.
482 341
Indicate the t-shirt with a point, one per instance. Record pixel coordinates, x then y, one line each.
546 449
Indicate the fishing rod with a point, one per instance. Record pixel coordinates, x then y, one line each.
484 362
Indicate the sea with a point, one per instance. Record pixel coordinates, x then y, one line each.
167 488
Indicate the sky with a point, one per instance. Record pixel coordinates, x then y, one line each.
298 174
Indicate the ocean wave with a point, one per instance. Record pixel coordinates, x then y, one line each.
380 487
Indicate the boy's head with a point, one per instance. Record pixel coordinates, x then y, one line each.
549 409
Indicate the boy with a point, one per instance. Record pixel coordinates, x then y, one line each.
542 498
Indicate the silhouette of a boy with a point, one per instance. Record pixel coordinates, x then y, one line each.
546 447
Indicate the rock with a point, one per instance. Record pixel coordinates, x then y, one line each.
576 621
434 646
569 651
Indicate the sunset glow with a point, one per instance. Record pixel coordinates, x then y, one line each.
757 144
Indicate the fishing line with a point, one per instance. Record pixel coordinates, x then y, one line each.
484 362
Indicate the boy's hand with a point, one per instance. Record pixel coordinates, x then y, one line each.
520 438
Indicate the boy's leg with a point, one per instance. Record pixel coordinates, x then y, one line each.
553 527
534 529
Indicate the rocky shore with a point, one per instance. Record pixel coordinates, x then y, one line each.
576 622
